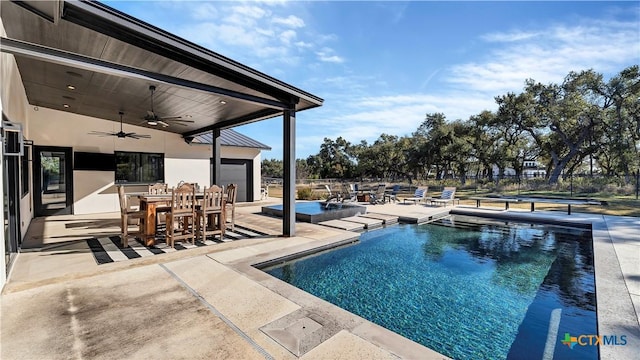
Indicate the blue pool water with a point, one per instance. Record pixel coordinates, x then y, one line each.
480 290
312 207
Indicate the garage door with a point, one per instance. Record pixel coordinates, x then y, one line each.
238 172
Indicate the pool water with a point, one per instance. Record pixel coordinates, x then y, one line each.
317 211
467 288
314 207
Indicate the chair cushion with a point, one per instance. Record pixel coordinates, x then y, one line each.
447 194
419 193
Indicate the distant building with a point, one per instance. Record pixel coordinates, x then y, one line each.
532 169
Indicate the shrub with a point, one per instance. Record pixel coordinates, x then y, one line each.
305 193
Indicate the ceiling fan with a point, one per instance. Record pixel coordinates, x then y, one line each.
152 119
121 134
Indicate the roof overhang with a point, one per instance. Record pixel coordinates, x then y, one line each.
111 59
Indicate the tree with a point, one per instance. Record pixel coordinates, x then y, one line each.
272 168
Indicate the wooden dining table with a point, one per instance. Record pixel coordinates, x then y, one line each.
151 203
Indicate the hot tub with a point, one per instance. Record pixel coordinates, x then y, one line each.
318 211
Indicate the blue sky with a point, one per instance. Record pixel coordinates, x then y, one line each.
381 66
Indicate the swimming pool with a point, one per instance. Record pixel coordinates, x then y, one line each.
479 289
317 211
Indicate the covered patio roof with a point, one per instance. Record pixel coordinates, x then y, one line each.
87 58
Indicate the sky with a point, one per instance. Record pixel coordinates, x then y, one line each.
381 66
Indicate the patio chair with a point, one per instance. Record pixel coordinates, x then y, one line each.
377 197
161 208
210 217
129 216
392 194
230 205
419 195
348 193
333 195
447 196
181 217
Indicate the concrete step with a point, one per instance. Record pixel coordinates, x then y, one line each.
386 219
343 225
367 222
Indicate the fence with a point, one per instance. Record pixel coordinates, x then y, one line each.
568 186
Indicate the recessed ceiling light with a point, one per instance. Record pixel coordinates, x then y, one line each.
65 106
188 116
223 102
71 87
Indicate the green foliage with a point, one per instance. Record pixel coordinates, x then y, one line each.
583 125
305 193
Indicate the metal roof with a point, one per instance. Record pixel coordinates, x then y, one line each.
87 58
230 137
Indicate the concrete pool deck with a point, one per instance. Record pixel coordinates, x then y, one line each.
210 302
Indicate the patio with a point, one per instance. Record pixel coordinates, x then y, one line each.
210 302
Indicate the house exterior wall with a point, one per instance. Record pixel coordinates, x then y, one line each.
13 104
94 191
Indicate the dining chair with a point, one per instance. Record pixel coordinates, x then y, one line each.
129 216
161 208
210 216
181 217
230 206
158 188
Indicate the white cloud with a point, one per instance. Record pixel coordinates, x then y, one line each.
262 32
509 37
288 36
548 55
290 21
327 55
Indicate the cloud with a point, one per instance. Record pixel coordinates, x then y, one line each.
266 33
327 55
509 37
290 21
548 55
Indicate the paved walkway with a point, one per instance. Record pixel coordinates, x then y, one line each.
209 302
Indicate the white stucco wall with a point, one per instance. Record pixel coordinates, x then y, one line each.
94 191
13 103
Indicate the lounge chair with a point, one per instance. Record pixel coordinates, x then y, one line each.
377 197
348 193
419 195
392 194
447 196
332 195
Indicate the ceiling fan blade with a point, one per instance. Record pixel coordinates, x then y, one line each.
164 124
170 118
137 136
180 121
102 133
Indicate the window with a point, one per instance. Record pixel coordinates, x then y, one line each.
25 170
141 168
